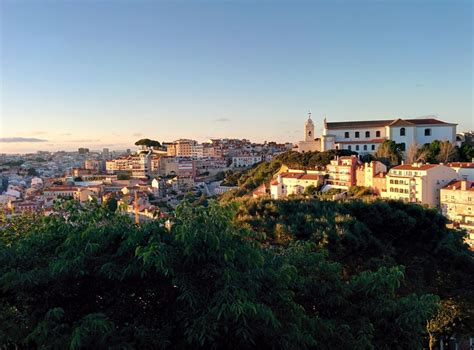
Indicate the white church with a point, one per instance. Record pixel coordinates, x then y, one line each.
364 137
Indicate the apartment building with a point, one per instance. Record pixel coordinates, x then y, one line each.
418 183
294 182
245 161
464 169
457 204
372 175
341 172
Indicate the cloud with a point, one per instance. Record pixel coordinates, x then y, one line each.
222 120
21 139
137 134
84 140
39 132
65 134
419 85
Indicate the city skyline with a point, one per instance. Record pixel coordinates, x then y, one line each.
104 74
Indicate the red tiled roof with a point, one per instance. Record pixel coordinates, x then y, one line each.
62 188
400 122
456 185
427 121
310 177
460 165
412 167
382 123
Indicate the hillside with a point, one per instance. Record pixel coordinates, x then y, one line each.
262 173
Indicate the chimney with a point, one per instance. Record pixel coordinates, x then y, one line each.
463 185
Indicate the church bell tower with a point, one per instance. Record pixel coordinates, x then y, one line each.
309 129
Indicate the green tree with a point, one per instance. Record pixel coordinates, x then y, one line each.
89 278
389 152
148 143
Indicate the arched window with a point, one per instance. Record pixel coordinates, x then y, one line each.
349 148
402 132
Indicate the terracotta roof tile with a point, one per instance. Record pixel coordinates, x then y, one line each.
412 167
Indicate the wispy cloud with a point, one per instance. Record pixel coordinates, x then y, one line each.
222 120
21 139
84 140
39 132
137 134
65 134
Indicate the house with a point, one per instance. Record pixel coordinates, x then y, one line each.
418 183
457 204
296 182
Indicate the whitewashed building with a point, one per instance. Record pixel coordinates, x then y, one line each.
365 137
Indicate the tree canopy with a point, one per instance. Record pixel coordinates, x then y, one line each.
147 143
90 278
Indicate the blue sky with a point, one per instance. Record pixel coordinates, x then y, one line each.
105 73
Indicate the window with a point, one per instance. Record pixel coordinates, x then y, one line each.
373 147
357 147
346 134
377 134
365 147
357 134
402 146
367 134
402 132
349 148
427 132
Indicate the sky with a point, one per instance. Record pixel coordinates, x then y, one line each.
106 73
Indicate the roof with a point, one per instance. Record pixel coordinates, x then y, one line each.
62 188
460 165
428 121
415 167
456 185
358 124
386 122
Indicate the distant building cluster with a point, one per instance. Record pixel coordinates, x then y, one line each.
146 181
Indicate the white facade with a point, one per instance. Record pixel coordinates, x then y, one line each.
364 137
418 183
465 170
245 161
457 204
294 182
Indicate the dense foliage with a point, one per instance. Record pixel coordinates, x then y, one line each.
90 278
365 236
147 143
263 172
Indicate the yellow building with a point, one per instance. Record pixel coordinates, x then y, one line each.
294 182
418 183
457 204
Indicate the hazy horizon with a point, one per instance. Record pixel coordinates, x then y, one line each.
104 74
